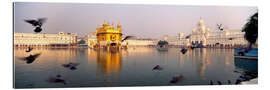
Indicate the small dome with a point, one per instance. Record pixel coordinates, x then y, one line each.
118 25
105 23
201 22
193 30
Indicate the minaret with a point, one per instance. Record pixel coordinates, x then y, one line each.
201 25
119 25
105 24
112 23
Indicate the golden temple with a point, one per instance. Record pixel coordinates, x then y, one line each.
108 35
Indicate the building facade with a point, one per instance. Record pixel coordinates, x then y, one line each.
107 35
181 39
227 38
43 39
140 42
91 39
199 34
202 35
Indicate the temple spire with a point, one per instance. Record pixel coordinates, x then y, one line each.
118 25
105 23
112 23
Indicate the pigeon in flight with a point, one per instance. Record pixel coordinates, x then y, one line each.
220 27
31 58
37 23
176 79
157 68
57 79
187 37
183 50
128 37
71 66
192 47
29 49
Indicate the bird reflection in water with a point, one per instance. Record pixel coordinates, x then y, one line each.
109 63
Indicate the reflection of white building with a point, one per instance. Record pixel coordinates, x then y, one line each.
43 39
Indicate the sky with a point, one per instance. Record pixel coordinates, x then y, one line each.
146 21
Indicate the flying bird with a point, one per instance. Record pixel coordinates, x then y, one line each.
29 49
157 68
37 23
57 79
71 66
187 37
31 58
176 79
183 50
220 27
128 37
192 47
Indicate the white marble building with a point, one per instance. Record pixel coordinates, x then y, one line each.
205 36
44 39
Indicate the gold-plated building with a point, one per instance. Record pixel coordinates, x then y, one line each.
108 35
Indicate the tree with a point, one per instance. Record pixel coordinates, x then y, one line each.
81 42
162 43
251 30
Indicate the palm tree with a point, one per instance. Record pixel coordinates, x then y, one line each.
251 30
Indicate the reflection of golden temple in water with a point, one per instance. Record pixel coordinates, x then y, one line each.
109 61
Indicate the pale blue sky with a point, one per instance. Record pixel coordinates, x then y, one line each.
141 20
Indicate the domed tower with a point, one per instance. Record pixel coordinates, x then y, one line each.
105 24
200 34
201 26
119 25
108 35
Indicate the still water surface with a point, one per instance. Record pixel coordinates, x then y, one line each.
131 67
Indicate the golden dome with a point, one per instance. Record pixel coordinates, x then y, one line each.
119 25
